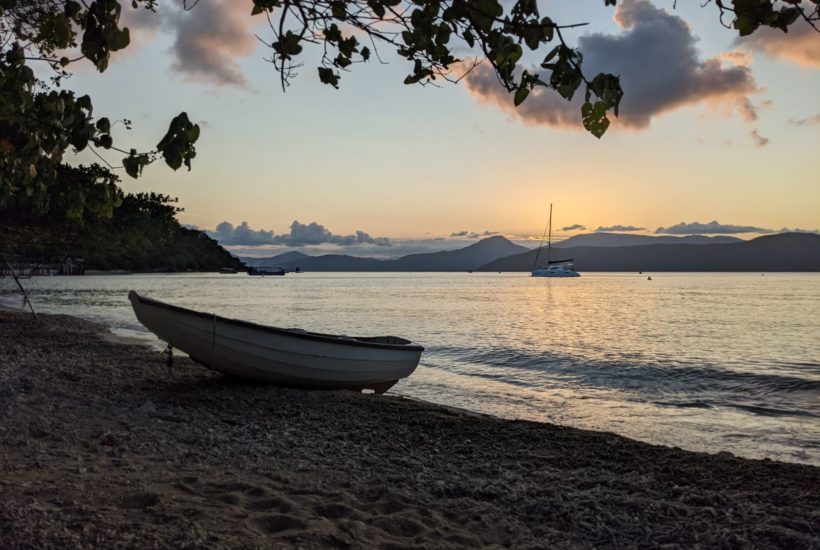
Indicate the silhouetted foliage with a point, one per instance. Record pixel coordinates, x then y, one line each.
39 121
141 234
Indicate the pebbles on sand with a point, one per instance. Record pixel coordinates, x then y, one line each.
101 445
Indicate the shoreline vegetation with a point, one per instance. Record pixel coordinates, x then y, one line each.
102 445
142 234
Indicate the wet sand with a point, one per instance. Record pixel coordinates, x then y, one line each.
101 445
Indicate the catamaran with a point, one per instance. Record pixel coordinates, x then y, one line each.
553 268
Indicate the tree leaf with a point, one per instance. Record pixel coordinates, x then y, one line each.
520 95
327 76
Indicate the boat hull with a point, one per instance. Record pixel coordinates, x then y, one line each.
282 356
555 274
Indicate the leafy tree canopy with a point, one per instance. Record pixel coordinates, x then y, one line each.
141 234
39 121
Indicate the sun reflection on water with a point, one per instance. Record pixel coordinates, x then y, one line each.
707 362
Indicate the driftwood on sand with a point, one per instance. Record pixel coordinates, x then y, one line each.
102 446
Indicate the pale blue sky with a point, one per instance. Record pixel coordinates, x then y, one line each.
408 162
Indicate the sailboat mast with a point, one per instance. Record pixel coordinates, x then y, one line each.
541 244
549 238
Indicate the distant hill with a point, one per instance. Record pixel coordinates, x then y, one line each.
623 239
339 262
462 259
273 261
783 252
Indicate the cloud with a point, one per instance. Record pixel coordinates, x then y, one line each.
314 233
574 227
207 40
800 45
242 234
758 140
472 234
660 71
622 228
300 235
739 57
805 121
712 227
143 24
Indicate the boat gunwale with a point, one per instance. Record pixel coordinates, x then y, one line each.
299 333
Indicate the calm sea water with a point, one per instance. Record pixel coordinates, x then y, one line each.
707 362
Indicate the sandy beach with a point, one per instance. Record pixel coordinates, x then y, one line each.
102 445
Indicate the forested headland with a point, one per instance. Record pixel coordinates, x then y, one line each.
127 231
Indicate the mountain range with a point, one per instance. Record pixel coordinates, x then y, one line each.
591 252
783 252
623 239
273 261
462 259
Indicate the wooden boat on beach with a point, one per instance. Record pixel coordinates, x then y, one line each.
292 357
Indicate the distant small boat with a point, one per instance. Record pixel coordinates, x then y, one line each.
292 357
554 268
266 271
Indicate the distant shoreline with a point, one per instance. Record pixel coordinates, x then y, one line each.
785 252
113 273
102 445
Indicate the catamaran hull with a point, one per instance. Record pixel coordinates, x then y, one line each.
281 356
554 274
